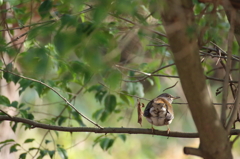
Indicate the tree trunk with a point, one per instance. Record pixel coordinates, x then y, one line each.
179 23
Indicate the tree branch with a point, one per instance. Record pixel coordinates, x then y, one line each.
235 108
35 124
192 151
228 68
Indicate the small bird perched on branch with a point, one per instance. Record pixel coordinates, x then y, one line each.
159 111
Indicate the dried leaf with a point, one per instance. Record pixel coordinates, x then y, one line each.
139 110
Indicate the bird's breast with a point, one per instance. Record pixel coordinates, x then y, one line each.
158 116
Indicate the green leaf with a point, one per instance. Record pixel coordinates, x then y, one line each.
81 70
68 20
135 89
85 29
33 148
23 156
123 137
95 88
7 141
21 105
29 140
4 100
42 153
45 8
157 82
40 62
15 79
104 115
114 79
62 152
23 85
99 95
150 81
14 127
47 141
39 88
30 116
61 120
106 143
97 113
24 113
14 104
13 148
110 103
124 98
78 118
51 153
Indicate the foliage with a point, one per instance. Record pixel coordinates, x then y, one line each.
75 47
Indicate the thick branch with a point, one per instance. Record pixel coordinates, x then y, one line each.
192 151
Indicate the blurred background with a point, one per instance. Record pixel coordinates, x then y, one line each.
96 53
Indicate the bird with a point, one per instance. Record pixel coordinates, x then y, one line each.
159 111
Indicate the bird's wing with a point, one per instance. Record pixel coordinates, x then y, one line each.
146 112
158 102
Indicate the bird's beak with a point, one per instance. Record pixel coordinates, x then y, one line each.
176 97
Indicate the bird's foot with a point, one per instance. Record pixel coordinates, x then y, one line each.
153 129
168 131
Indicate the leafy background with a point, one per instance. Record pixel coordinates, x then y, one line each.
74 47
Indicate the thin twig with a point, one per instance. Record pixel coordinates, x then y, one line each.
170 87
235 108
147 74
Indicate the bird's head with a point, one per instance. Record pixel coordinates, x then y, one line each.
168 97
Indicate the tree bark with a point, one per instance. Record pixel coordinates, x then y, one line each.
181 31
